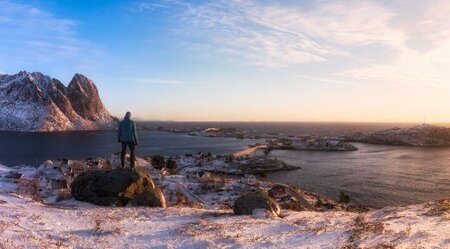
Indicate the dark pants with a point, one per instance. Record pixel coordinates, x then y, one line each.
124 151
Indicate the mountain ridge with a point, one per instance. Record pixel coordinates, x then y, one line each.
37 102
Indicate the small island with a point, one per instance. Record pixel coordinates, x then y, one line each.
311 143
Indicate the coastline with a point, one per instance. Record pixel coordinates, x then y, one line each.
26 223
69 223
250 150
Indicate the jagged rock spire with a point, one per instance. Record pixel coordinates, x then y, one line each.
37 102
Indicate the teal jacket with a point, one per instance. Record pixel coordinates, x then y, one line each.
127 131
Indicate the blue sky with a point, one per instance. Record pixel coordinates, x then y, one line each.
242 60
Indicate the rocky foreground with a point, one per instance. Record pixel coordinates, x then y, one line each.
196 208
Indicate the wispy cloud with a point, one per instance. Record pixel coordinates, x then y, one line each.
422 58
31 36
410 67
276 35
243 30
390 42
149 5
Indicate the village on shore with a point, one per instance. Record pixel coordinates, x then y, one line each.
210 195
273 141
200 179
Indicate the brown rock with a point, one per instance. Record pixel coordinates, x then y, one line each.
150 198
111 187
250 201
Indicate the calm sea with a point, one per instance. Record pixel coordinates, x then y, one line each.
375 175
17 148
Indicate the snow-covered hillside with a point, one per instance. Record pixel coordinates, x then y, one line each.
421 135
37 102
27 222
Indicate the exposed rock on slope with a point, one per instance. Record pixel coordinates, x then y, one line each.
248 202
83 95
116 187
421 135
36 102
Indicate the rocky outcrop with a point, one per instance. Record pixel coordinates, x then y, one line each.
116 187
150 198
248 202
36 102
422 135
85 99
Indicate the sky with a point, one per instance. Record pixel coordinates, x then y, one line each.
242 60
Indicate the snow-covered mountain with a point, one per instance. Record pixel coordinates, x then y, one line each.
37 102
421 135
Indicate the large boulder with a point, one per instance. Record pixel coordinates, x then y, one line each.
150 198
113 187
248 202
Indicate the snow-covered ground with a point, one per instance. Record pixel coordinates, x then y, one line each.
26 223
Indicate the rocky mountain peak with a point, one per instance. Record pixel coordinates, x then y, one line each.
34 101
85 99
23 72
80 81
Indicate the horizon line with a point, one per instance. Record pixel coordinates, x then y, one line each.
281 121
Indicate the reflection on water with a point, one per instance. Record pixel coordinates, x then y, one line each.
375 175
33 148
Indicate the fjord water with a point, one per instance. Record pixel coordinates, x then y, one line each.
17 148
375 175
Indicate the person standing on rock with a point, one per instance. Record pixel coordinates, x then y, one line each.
128 137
